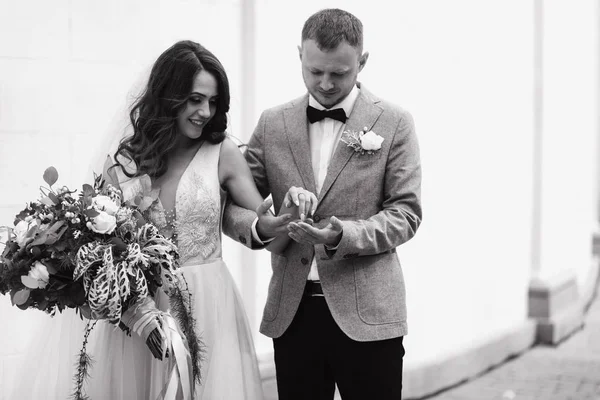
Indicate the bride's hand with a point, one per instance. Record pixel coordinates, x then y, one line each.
305 201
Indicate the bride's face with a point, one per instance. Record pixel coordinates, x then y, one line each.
200 107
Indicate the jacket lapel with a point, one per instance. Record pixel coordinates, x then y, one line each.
296 131
364 114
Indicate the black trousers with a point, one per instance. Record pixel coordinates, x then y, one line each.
314 355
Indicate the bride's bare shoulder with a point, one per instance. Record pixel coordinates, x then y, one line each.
231 159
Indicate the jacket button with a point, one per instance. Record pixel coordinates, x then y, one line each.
316 218
304 260
242 239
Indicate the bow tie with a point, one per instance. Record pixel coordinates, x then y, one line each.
315 115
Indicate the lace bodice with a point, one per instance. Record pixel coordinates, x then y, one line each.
196 228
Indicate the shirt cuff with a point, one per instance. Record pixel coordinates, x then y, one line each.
255 236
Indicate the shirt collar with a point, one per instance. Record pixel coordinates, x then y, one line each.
347 104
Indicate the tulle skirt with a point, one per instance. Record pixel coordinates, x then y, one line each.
124 368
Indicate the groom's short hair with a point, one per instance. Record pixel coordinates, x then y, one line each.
331 26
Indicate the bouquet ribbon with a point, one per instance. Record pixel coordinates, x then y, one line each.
143 318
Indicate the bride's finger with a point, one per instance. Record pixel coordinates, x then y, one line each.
302 207
314 202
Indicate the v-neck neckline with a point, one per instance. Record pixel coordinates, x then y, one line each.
174 209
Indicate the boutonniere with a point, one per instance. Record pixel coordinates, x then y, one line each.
364 141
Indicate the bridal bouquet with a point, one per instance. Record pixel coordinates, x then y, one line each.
95 252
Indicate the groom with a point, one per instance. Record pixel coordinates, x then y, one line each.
336 305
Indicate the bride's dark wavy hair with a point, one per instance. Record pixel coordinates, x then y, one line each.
154 114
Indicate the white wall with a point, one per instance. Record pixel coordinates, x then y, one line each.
569 144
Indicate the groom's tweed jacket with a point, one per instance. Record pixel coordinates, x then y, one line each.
377 197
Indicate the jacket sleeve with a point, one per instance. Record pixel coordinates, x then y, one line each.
237 224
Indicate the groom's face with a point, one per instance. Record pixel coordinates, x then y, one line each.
329 75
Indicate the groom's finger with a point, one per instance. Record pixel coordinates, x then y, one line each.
309 230
314 202
299 238
304 230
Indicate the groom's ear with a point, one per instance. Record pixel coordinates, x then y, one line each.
362 61
300 52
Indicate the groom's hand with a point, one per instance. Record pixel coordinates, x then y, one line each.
304 233
268 225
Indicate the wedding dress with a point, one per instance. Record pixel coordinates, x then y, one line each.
229 366
124 368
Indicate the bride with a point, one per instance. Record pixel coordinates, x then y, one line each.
179 142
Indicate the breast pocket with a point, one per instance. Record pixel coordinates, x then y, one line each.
366 177
366 157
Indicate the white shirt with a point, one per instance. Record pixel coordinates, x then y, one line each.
323 137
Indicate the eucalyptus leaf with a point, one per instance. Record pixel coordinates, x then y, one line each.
50 175
87 190
91 213
20 297
42 305
51 269
53 198
86 200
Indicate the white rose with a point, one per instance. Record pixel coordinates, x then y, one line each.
371 141
21 230
103 223
37 277
105 203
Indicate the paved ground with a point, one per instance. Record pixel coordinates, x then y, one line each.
569 371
